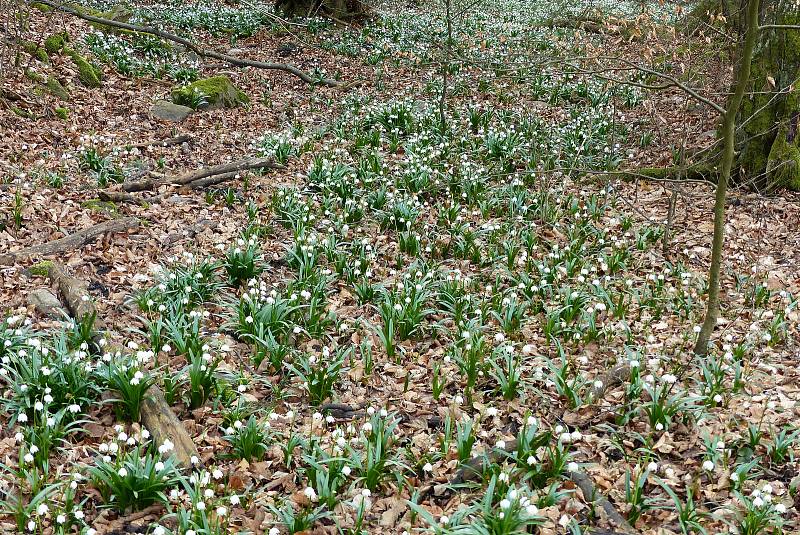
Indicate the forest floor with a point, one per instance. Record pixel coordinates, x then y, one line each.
405 326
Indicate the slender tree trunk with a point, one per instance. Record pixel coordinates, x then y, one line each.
742 77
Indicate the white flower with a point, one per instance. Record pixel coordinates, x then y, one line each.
159 531
444 520
653 466
122 472
572 467
428 467
222 511
780 508
201 506
234 499
708 465
505 504
310 493
758 502
42 509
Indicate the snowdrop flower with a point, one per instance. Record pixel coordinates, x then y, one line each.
310 493
708 465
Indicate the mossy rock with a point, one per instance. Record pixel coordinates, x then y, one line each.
25 114
55 88
35 76
56 42
36 51
210 93
96 205
41 269
89 75
61 113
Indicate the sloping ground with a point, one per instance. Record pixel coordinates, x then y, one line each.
419 296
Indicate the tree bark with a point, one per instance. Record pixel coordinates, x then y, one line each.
767 125
727 134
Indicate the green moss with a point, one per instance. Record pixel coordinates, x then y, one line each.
88 74
56 42
36 51
783 164
36 77
41 7
56 89
41 269
97 205
23 113
61 113
215 92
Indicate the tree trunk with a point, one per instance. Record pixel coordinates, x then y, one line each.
346 10
727 134
767 138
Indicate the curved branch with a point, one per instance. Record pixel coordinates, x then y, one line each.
239 62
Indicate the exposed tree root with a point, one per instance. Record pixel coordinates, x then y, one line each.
473 470
239 62
157 415
615 376
70 242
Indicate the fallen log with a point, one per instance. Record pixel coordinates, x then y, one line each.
177 140
74 293
231 168
190 45
165 428
70 242
156 415
121 196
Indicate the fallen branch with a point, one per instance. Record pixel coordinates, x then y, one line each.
473 470
121 196
239 62
591 494
615 376
213 180
188 178
157 416
70 242
169 142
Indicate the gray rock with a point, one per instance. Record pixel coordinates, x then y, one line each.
168 111
46 303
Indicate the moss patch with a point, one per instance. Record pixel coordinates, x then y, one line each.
61 113
56 42
210 93
41 269
41 7
783 163
96 205
23 113
89 75
36 51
